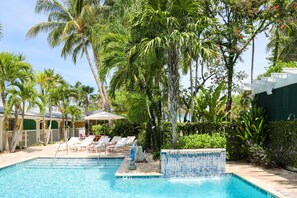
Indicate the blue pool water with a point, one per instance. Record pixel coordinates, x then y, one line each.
86 178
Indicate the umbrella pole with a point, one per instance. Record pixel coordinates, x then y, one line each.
104 128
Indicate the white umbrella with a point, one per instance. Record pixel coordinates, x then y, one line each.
104 116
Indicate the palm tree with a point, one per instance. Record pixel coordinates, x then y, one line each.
61 98
283 31
139 76
47 80
282 42
12 68
21 97
71 24
86 91
75 113
168 25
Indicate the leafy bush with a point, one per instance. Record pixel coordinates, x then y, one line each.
282 142
250 127
202 141
125 128
234 144
100 129
156 155
259 156
189 128
210 104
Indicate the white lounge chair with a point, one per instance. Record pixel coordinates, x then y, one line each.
130 140
85 143
102 142
122 142
114 140
70 143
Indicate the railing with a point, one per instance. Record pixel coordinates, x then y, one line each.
55 156
25 134
98 158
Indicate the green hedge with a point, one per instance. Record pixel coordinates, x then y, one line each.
125 128
282 143
185 129
279 149
196 128
202 141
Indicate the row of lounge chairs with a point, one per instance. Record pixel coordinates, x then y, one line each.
104 142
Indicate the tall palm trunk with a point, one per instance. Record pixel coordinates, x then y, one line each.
106 104
173 88
49 131
5 121
192 93
252 63
87 112
94 74
17 132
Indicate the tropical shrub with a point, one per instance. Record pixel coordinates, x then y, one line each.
189 128
234 143
250 127
210 105
125 128
202 141
100 129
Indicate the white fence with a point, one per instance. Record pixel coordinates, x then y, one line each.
29 137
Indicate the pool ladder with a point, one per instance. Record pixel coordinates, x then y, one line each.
98 158
55 156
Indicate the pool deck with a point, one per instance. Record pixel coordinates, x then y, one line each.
279 182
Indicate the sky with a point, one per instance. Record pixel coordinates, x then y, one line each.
18 16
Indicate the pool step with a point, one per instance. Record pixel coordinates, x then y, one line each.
71 163
69 167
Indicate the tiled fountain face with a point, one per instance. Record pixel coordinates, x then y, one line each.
193 163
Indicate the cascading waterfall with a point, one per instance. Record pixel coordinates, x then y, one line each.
193 163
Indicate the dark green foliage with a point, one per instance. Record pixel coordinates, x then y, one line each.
250 127
234 145
125 128
202 141
210 104
156 155
193 128
101 129
259 156
186 129
282 143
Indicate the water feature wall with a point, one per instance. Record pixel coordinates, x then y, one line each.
193 162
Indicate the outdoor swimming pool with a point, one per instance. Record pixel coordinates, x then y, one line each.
86 178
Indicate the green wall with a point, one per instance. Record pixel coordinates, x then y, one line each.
54 124
29 124
280 104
